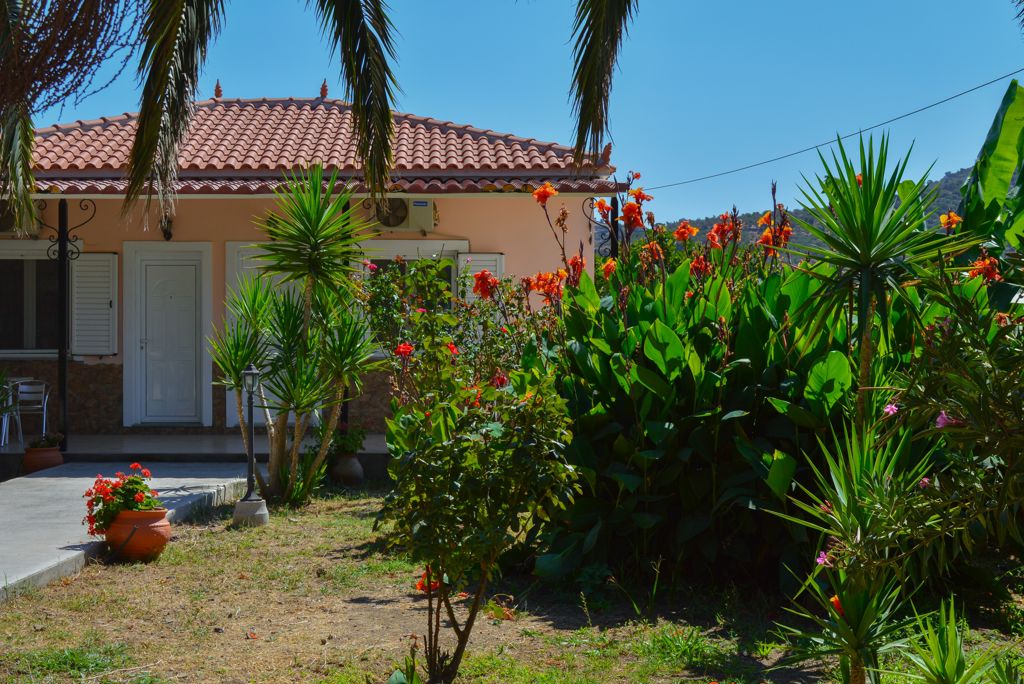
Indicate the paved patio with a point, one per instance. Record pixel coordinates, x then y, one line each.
42 537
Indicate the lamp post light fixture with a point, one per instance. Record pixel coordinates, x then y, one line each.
251 510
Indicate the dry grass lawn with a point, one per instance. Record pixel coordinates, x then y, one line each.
315 597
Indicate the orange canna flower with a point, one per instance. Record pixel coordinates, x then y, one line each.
576 265
651 253
632 214
700 266
860 180
609 268
987 267
484 284
766 219
685 231
604 209
544 193
639 196
950 221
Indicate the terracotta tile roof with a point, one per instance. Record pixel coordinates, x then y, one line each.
234 142
86 185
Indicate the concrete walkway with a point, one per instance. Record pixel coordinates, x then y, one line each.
42 536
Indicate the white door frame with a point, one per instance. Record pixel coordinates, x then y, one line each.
135 252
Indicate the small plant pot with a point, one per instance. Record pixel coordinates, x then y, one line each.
348 471
41 458
139 535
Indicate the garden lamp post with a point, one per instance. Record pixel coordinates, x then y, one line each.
251 510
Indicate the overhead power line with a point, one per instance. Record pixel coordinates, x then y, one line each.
843 137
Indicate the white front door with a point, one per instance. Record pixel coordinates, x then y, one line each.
168 373
170 341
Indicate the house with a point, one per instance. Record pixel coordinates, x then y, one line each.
145 293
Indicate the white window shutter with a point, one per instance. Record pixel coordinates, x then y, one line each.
94 305
474 262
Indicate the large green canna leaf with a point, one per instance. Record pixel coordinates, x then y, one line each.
829 379
985 192
664 348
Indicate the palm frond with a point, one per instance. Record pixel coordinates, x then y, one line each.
598 32
361 34
177 34
17 139
1019 4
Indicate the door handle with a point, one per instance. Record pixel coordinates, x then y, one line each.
142 343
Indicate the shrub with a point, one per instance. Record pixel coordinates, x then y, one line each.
477 439
691 391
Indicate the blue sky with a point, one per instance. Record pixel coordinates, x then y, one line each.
701 87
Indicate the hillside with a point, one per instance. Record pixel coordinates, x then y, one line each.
947 197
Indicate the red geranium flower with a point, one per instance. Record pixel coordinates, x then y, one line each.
135 466
139 497
452 348
404 350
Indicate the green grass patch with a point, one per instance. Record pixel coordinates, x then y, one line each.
76 661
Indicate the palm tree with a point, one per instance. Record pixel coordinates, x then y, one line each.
175 35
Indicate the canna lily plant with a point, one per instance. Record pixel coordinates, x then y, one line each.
298 322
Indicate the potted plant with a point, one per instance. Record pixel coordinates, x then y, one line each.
127 512
345 446
43 453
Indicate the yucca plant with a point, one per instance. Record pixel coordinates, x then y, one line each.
869 504
855 621
310 340
938 656
1006 670
873 226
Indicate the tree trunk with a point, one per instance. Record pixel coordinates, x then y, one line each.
866 356
325 443
858 675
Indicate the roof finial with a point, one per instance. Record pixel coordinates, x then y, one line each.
217 90
323 89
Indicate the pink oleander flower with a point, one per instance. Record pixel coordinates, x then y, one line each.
891 410
823 559
943 420
925 483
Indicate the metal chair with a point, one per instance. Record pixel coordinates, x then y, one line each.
6 410
32 397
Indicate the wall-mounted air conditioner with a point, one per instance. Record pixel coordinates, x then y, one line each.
406 214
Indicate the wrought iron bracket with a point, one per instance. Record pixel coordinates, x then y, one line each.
88 206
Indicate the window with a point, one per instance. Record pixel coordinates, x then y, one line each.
383 252
28 305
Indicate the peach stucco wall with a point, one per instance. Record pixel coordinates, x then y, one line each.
514 226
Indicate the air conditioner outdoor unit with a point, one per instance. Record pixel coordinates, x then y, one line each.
407 214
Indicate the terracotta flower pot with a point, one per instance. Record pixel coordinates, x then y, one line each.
348 470
139 535
40 459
